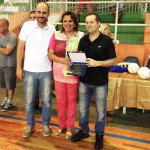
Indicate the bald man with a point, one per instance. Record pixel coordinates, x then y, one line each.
8 46
35 36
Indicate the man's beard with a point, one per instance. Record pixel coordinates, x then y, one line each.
42 19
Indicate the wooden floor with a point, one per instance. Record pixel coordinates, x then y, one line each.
12 125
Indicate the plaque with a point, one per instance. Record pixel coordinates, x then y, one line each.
78 67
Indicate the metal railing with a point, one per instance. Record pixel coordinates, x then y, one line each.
14 6
130 6
101 7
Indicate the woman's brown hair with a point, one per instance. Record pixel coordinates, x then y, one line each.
73 17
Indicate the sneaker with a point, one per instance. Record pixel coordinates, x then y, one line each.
80 135
99 141
29 130
59 131
69 134
46 130
7 107
3 104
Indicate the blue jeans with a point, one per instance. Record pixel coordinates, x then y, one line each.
100 95
31 82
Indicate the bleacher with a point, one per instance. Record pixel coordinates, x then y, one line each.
132 14
126 35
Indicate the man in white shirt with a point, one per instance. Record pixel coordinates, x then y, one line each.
35 36
32 17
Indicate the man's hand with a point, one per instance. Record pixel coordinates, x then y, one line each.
20 74
92 62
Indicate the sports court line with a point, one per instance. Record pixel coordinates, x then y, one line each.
75 128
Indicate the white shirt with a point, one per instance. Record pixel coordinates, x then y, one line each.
36 47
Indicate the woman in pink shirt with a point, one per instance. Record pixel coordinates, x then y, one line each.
66 39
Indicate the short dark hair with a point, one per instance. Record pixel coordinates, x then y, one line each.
73 17
97 17
32 12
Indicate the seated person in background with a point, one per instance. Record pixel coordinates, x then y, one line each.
112 8
105 29
81 7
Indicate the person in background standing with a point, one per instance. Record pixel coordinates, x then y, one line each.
32 15
105 29
8 47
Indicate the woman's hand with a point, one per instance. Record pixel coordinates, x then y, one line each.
66 73
67 61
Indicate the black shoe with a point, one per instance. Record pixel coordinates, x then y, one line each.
99 141
80 135
7 107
